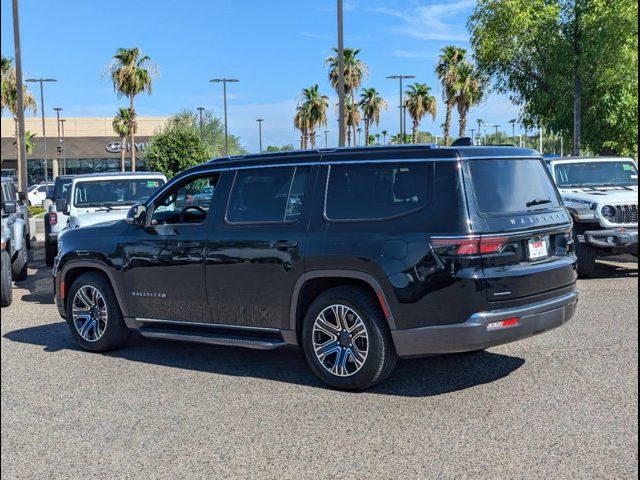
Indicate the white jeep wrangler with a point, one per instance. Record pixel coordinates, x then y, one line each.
104 197
602 195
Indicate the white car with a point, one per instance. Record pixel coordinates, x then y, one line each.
37 193
105 197
602 195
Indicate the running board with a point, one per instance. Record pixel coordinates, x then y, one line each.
213 338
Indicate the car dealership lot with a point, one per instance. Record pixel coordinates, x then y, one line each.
563 404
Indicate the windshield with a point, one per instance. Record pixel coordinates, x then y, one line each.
510 186
114 193
62 188
597 174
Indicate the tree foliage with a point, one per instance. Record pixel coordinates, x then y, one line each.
546 53
175 150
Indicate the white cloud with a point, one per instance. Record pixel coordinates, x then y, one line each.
400 53
431 22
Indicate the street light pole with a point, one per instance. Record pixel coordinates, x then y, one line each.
402 108
59 147
22 157
64 154
326 139
42 81
200 110
341 87
224 82
260 120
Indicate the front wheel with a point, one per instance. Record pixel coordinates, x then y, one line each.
346 339
19 265
50 251
93 314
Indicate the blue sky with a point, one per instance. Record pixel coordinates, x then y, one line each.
274 47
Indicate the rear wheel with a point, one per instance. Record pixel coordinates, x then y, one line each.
346 339
19 265
50 251
587 256
6 294
93 314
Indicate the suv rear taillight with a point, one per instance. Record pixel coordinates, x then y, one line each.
53 218
468 246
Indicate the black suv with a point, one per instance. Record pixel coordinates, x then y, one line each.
359 256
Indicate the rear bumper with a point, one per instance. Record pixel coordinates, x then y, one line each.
613 238
475 333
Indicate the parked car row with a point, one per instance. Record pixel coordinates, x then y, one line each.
16 239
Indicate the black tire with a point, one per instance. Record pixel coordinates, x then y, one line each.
28 242
50 252
6 293
19 264
586 258
381 357
115 333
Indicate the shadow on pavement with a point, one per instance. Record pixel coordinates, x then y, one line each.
39 284
615 269
422 377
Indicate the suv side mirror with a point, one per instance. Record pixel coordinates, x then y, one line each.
10 207
137 215
62 205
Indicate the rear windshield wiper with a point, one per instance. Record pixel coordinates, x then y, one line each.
538 201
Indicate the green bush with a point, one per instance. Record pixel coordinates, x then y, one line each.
34 210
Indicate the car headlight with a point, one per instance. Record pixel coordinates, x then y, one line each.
608 212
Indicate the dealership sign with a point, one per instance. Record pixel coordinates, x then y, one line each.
116 147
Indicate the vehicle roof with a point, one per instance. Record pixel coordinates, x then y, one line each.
589 159
365 154
117 174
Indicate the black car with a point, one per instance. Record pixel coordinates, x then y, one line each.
358 255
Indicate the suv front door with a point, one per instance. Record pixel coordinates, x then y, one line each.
164 273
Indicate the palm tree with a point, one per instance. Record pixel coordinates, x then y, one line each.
10 98
447 72
352 120
470 90
131 73
354 72
513 122
377 138
480 122
371 104
121 125
301 122
384 136
419 102
315 106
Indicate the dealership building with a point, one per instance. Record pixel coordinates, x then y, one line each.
84 145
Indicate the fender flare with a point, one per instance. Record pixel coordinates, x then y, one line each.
96 265
352 274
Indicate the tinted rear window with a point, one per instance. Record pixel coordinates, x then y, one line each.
376 191
273 194
510 186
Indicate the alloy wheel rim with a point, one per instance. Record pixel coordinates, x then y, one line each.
340 340
89 313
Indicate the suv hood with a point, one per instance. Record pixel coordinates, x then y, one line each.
92 218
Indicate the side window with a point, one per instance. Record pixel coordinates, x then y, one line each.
268 195
187 202
377 191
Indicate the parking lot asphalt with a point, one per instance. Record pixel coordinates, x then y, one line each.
559 405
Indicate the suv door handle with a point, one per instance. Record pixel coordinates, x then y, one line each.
284 244
188 244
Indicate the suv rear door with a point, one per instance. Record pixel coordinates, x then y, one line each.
515 205
256 252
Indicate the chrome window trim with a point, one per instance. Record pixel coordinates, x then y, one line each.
565 227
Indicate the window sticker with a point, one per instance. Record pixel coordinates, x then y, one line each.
153 183
627 167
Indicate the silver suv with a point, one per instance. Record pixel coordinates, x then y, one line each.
15 239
